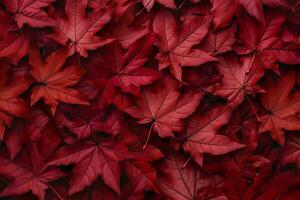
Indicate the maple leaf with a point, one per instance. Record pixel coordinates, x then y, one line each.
200 136
176 49
263 36
80 28
29 171
239 79
122 70
30 12
264 42
91 160
53 83
164 107
26 180
281 107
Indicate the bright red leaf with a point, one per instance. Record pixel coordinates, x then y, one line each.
52 84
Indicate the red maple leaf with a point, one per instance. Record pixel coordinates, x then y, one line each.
92 159
264 41
30 12
239 78
176 48
80 28
29 171
51 82
164 107
201 134
281 107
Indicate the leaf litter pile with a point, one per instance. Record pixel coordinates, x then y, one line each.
149 99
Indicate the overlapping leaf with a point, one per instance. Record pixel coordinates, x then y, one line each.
92 159
201 134
176 48
127 72
80 28
281 107
30 12
149 99
164 107
51 82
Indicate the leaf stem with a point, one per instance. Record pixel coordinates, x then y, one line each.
181 4
251 62
137 14
55 192
149 134
187 161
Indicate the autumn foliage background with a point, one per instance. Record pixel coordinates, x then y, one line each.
149 99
